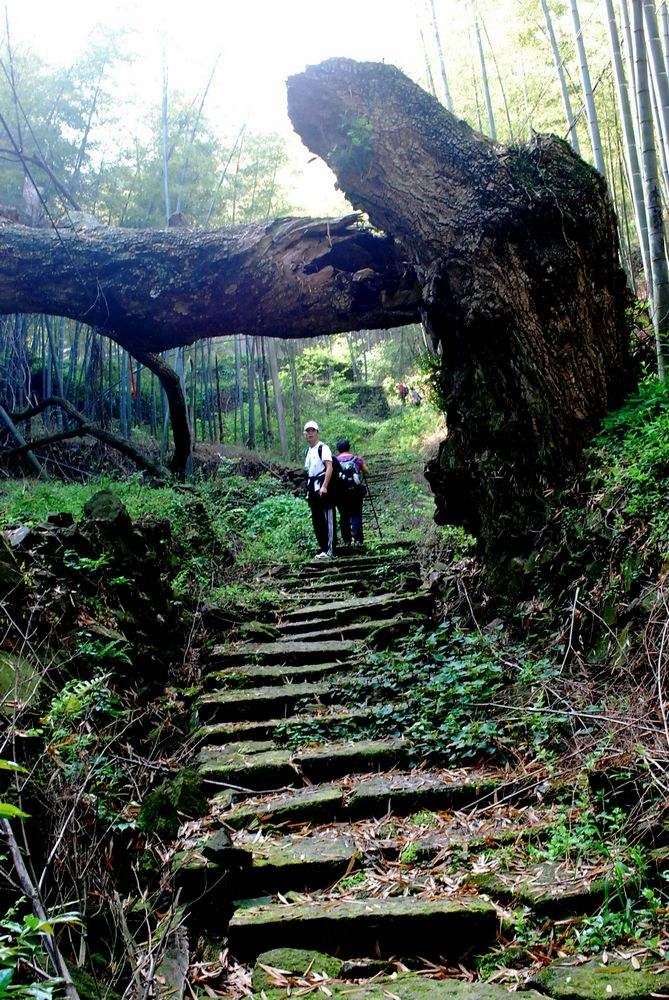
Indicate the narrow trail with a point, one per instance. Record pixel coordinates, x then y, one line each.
344 844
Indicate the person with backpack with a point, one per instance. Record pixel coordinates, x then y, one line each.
320 490
351 470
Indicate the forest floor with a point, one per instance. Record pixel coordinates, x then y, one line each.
439 787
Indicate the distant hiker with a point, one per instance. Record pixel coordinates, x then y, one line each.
402 391
416 397
319 466
350 492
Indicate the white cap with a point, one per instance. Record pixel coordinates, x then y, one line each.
311 425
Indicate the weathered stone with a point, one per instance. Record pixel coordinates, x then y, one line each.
60 519
228 732
323 802
258 703
165 808
298 863
593 980
409 986
291 653
405 793
395 925
105 506
343 611
294 962
346 633
16 536
253 766
239 677
171 972
546 888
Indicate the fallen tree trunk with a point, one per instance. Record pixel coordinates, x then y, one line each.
510 255
516 251
156 289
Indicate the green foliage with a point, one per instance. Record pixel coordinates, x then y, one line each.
278 530
410 853
435 688
405 431
21 948
591 833
631 456
78 700
424 818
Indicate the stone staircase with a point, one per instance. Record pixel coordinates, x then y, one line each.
338 841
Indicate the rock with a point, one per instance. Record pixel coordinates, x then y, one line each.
164 809
105 506
390 926
91 987
16 536
173 968
294 962
409 986
60 519
593 980
10 573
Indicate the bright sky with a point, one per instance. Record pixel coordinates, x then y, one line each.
260 43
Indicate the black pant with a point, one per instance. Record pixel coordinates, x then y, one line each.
323 520
350 517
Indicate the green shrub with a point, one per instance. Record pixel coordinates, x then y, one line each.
631 458
278 530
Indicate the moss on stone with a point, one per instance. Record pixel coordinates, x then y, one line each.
164 809
596 981
294 961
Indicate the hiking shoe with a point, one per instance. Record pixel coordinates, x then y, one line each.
323 555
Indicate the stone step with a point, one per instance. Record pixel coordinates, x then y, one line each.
261 765
402 986
372 797
300 597
230 732
290 652
348 610
401 926
345 568
349 634
259 703
264 867
249 673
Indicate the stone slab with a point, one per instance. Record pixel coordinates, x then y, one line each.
594 980
258 703
321 803
289 652
452 928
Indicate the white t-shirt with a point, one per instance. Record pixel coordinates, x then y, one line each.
314 465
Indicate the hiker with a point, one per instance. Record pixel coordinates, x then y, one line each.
416 397
351 470
320 488
402 391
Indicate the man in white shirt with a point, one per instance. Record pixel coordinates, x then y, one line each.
318 464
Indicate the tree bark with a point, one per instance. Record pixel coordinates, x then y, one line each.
153 290
516 250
